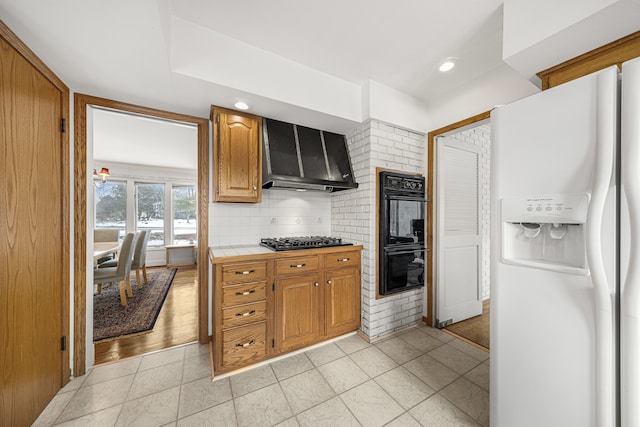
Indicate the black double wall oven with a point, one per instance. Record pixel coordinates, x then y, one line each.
401 252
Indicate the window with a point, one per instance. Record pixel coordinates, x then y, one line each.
185 207
150 211
129 205
111 206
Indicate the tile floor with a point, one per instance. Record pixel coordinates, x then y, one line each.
422 377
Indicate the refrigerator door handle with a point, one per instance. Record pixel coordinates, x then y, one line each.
630 291
604 325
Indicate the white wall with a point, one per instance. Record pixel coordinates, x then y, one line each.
230 62
544 33
392 106
498 87
527 23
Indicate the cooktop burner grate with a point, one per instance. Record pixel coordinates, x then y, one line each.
307 242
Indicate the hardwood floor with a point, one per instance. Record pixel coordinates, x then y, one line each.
177 322
475 329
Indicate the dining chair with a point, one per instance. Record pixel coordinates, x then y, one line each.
119 273
139 262
106 235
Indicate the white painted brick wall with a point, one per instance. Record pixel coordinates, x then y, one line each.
480 136
377 144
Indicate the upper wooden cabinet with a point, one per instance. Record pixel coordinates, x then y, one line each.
237 153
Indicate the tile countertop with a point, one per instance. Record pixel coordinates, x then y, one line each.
218 254
240 250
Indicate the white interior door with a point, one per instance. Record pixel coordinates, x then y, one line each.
459 251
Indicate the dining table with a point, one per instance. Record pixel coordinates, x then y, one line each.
103 249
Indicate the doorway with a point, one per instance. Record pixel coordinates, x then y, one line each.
458 229
461 212
151 187
83 344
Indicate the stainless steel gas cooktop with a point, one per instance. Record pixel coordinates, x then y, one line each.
307 242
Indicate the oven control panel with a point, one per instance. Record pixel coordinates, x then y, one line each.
414 184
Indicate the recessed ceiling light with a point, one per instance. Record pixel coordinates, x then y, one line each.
447 65
241 105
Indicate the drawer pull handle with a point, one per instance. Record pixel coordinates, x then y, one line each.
245 272
328 282
247 344
245 314
316 284
344 259
245 292
297 265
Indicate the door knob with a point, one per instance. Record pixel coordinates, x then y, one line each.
255 188
328 282
316 284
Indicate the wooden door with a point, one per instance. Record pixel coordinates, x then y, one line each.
237 153
459 295
342 301
297 312
34 248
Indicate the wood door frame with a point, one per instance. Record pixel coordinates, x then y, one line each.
81 102
431 141
41 67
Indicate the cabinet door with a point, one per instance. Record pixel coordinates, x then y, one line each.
342 301
237 151
297 312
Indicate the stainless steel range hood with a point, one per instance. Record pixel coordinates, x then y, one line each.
301 158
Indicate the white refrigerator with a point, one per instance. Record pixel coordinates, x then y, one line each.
565 255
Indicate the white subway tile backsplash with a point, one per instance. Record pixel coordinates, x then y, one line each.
282 213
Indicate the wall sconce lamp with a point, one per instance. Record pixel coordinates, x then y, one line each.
104 173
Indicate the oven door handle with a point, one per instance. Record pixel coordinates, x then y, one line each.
405 198
402 251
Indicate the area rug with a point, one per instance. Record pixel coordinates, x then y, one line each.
111 320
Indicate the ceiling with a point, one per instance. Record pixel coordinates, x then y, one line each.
361 40
309 63
132 51
132 139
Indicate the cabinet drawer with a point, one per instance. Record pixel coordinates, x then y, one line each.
342 259
244 272
296 265
243 293
243 314
243 345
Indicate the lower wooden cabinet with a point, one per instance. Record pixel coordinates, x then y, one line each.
243 345
267 305
296 314
342 301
